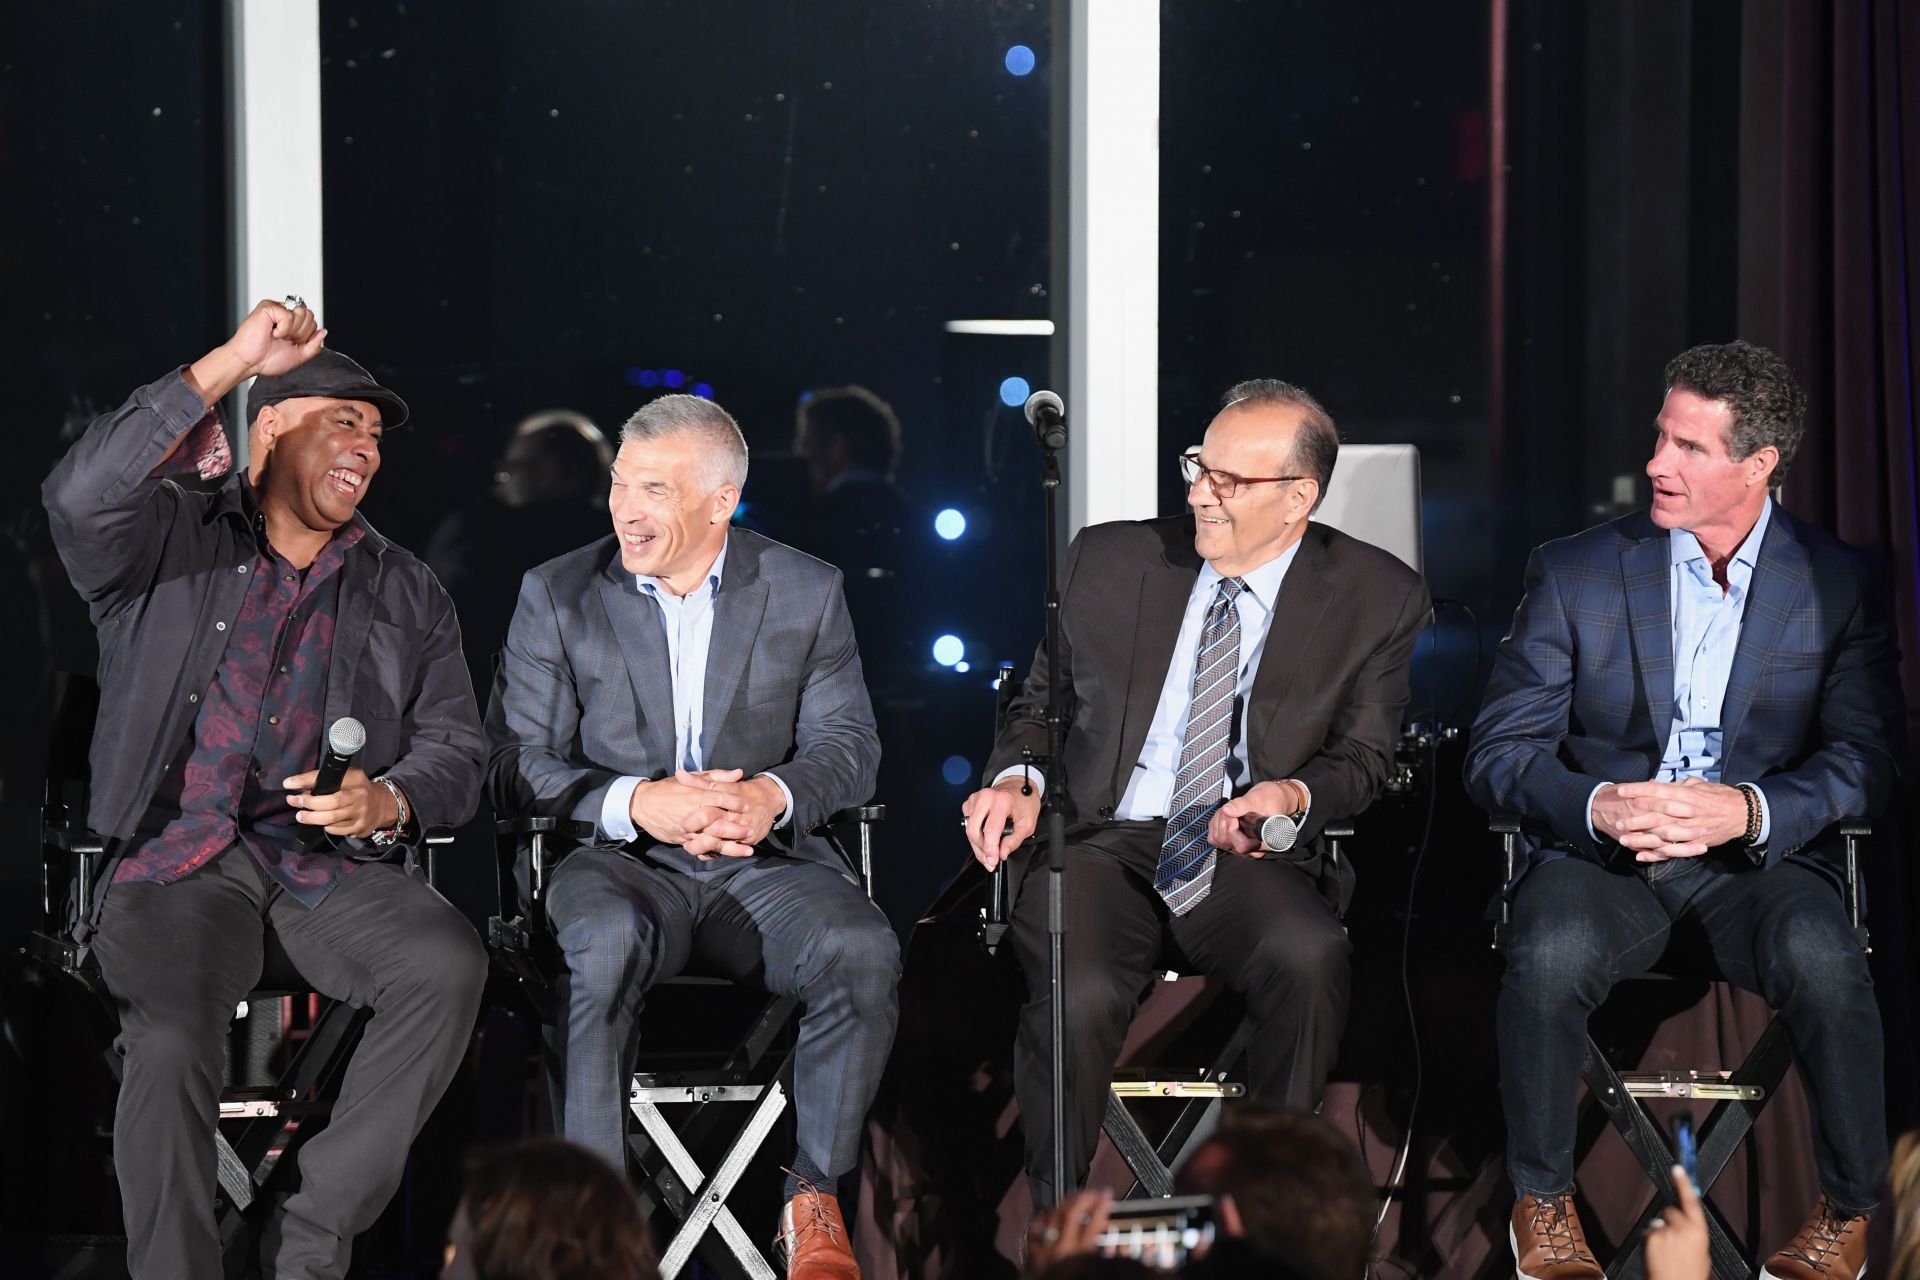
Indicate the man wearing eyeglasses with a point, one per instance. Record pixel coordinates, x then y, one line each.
1234 664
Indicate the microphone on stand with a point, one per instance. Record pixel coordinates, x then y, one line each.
1047 415
344 741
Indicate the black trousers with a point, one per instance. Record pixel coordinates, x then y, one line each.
1264 929
177 958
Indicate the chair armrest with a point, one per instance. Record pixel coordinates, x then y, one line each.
541 825
1504 824
857 813
70 839
1855 827
1337 831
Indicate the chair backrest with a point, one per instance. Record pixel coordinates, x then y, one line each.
74 704
1375 496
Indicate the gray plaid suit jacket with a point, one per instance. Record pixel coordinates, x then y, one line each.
1582 686
584 694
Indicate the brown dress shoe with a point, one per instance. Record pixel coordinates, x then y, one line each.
813 1239
1548 1243
1829 1247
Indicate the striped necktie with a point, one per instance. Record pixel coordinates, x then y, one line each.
1185 872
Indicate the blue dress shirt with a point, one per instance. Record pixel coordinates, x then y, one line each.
1150 786
1706 636
688 621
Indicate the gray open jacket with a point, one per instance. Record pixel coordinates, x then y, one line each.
164 569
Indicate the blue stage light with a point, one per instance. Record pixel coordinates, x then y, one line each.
950 524
1019 60
644 377
704 390
948 650
956 770
674 378
963 667
1014 392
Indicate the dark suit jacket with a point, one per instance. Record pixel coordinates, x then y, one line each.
1582 686
1326 702
585 694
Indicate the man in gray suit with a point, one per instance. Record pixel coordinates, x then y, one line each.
694 692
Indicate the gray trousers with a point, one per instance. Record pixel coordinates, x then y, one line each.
177 958
793 927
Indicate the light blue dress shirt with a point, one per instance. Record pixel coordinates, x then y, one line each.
1150 786
688 622
1706 636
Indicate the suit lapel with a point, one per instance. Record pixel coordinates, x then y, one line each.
1647 569
1778 573
737 609
1304 595
635 621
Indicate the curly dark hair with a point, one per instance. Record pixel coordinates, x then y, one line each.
544 1209
1767 405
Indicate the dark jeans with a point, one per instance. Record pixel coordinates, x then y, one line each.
792 927
179 957
1263 929
1578 928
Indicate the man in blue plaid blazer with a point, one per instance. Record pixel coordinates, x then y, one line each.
1690 701
693 692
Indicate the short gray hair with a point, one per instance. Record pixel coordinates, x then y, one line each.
1317 444
723 449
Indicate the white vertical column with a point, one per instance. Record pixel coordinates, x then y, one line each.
274 65
1113 275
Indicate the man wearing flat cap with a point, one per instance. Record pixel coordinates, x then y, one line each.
237 622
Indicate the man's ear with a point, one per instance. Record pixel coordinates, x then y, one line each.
266 425
725 499
1767 462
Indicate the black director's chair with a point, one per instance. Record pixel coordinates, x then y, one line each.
752 1068
1738 1095
267 1110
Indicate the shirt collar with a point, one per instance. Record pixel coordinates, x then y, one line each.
1263 583
648 583
1684 548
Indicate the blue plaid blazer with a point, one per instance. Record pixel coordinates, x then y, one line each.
1582 687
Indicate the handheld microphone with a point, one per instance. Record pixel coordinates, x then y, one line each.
1047 415
344 741
1278 833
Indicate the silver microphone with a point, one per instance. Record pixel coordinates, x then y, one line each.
1278 833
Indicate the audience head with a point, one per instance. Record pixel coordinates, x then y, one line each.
1903 1179
554 455
676 483
1298 1187
544 1209
840 429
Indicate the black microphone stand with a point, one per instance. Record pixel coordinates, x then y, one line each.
1054 810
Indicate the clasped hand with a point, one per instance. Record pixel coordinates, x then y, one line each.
1663 820
709 812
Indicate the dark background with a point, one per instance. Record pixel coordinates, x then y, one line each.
1481 226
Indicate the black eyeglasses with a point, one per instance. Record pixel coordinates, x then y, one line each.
1224 483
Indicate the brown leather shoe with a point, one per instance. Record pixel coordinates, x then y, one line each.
813 1239
1547 1241
1829 1247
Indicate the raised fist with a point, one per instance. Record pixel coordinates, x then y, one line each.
274 339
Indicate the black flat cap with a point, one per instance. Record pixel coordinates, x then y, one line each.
332 375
